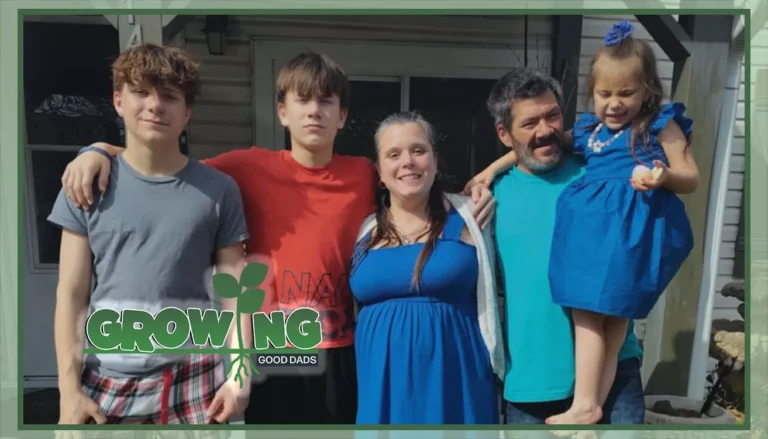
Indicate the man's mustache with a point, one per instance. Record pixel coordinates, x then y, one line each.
552 139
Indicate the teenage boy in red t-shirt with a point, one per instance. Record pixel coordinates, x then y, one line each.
303 208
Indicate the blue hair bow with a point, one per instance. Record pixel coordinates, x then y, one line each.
619 32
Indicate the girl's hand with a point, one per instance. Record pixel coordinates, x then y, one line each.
651 180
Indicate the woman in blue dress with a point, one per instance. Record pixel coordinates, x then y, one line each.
621 231
428 339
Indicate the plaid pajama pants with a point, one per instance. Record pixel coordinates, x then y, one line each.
179 394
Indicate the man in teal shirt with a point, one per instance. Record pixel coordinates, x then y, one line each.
528 112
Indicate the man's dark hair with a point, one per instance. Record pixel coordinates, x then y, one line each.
519 83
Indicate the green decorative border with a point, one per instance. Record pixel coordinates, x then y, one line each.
12 232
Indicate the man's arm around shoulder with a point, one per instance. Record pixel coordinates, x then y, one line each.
81 173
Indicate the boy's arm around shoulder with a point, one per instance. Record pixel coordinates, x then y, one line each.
235 161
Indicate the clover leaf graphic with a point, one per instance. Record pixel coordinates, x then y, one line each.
249 301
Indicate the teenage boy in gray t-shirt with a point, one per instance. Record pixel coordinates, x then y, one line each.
149 242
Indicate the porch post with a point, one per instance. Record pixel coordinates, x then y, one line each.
138 29
758 150
701 87
565 61
673 37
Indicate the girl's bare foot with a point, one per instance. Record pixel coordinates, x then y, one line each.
577 416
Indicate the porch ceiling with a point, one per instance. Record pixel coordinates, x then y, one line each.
669 34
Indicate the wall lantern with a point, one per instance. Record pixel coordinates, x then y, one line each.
215 33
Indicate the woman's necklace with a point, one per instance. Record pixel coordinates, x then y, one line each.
408 238
596 145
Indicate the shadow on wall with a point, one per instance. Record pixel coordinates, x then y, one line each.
668 377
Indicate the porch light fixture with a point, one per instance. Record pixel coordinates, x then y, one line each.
215 33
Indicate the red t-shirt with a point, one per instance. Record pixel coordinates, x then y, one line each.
303 222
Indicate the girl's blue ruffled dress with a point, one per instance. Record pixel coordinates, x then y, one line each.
616 249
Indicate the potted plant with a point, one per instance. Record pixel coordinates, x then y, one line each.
672 409
728 343
724 402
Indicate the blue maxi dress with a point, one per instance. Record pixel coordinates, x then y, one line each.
421 358
615 249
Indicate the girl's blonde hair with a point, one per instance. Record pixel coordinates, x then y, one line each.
628 48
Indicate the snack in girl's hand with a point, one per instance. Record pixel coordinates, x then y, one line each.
639 172
643 172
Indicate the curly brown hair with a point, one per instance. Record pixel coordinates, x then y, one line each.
150 65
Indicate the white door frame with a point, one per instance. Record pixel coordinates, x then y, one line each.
38 297
372 59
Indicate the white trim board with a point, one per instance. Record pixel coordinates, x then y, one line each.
33 383
714 231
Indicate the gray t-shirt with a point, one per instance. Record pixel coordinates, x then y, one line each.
153 241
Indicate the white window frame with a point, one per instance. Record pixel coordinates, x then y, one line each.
30 208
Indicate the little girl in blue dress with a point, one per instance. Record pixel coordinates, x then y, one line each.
621 231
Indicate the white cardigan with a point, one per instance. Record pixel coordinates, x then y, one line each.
487 304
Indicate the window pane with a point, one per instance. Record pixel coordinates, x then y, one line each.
466 139
371 102
68 84
49 167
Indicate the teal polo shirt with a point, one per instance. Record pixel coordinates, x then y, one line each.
539 335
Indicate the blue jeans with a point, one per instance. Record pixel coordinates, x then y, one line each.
624 405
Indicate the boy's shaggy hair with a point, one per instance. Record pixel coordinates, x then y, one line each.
150 65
